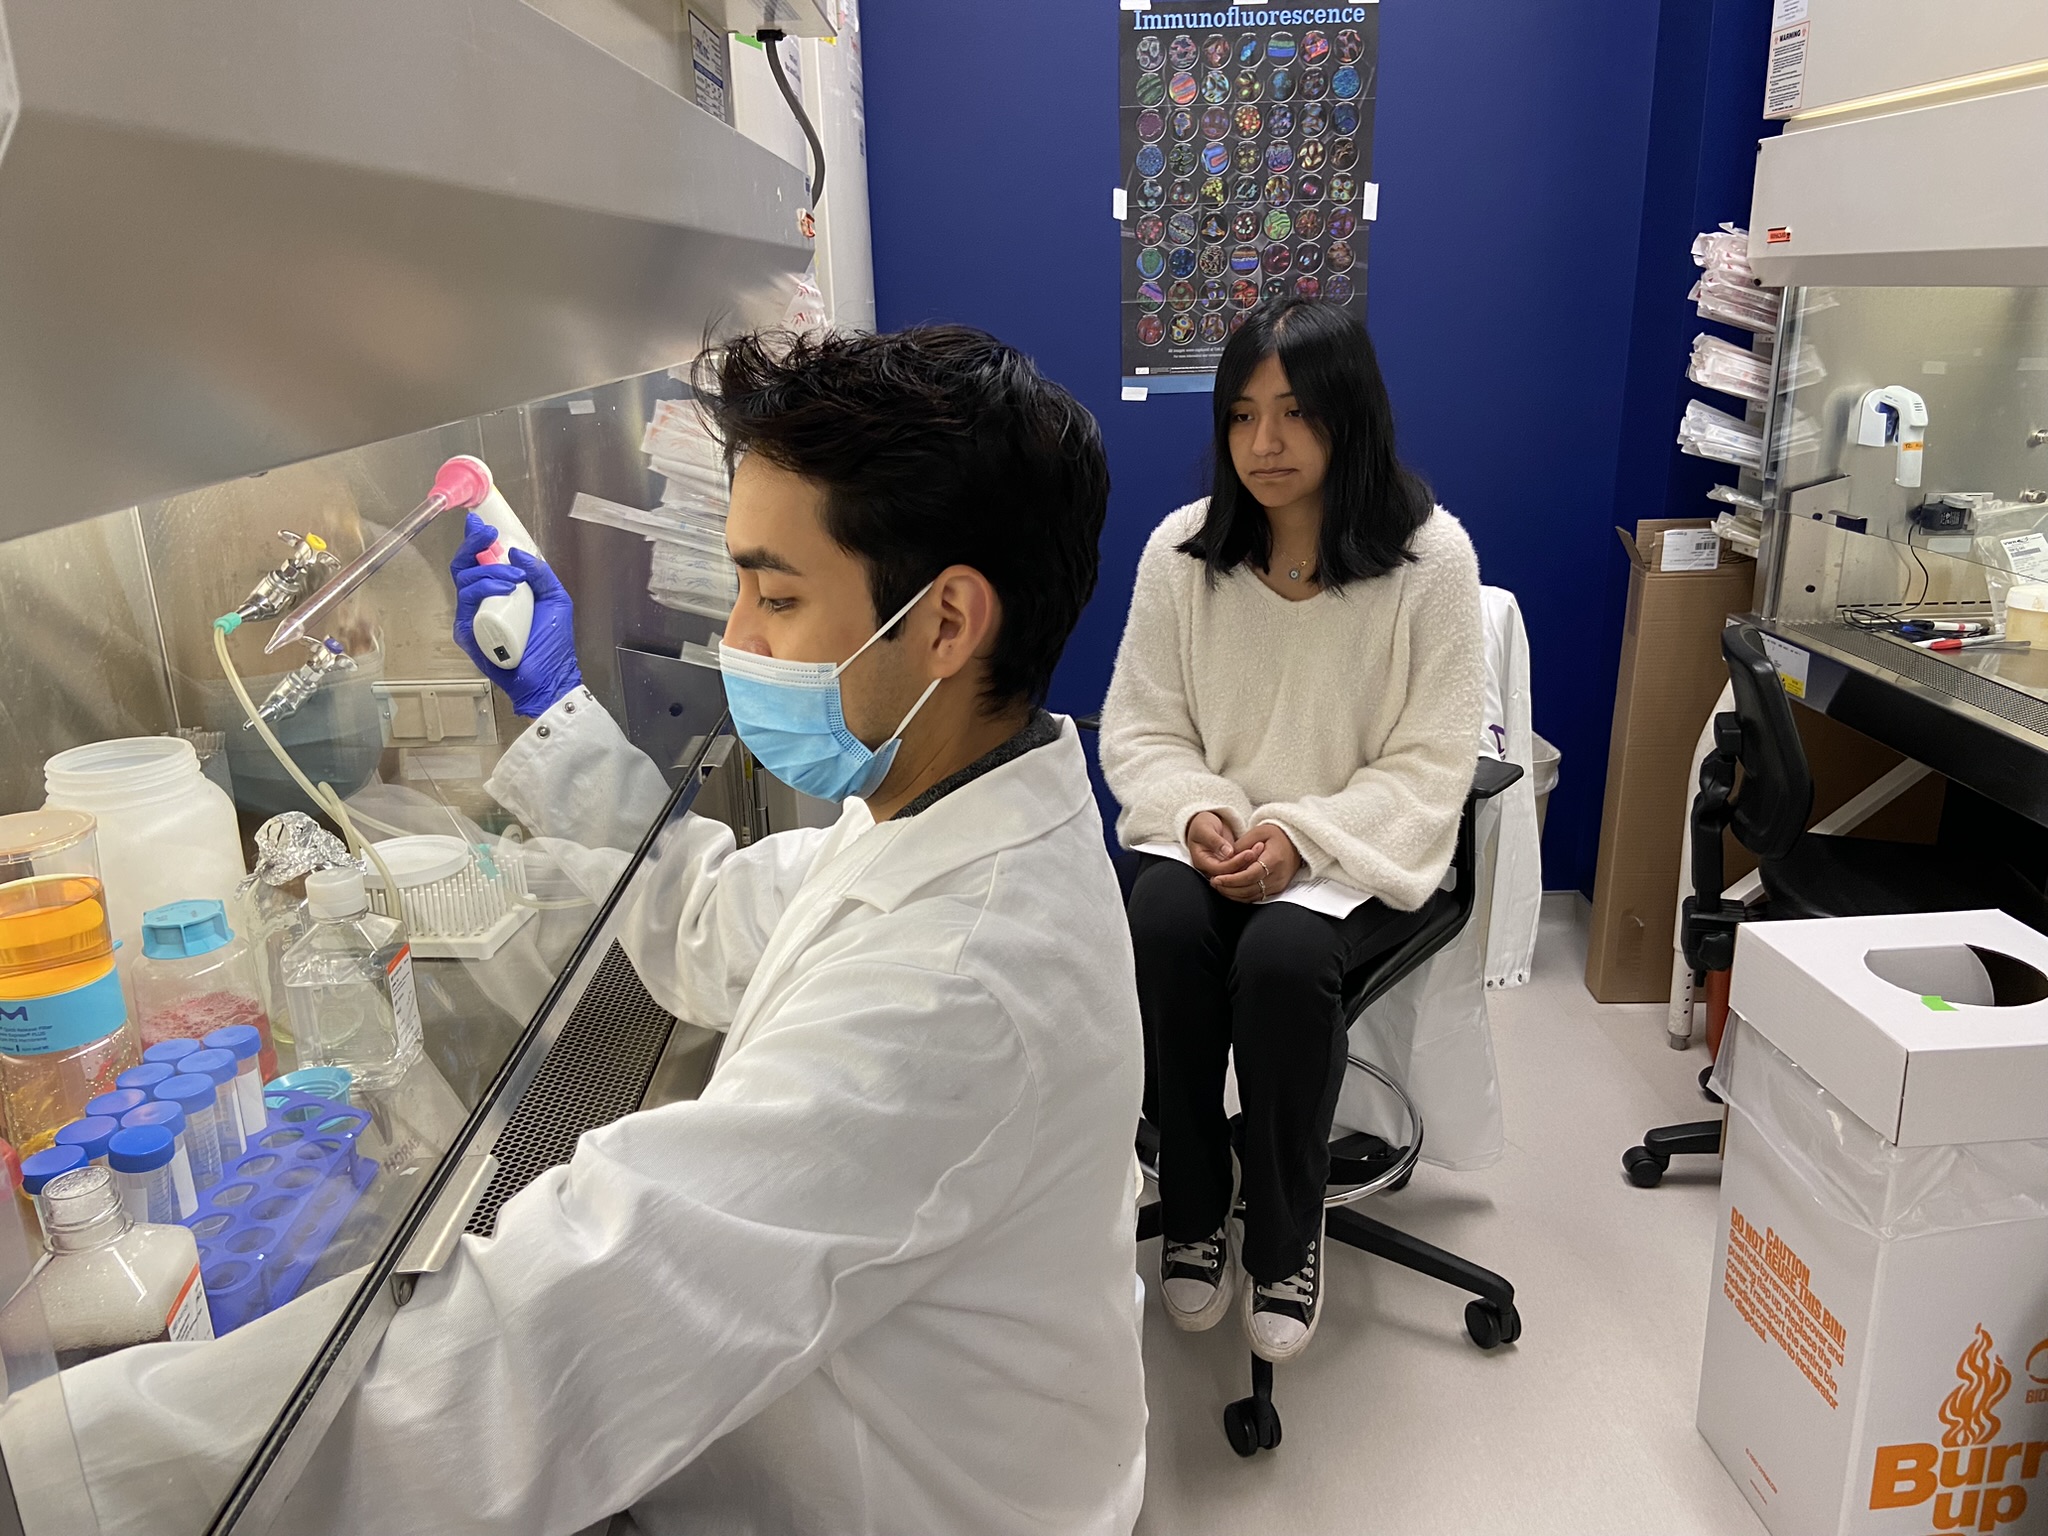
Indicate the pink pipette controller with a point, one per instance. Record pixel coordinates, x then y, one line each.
502 624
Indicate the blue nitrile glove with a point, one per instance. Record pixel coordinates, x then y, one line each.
547 672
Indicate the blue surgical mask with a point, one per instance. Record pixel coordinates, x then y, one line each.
788 715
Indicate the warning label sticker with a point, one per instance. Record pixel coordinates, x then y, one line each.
1769 1286
1785 78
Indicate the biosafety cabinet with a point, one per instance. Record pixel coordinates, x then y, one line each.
1901 476
264 272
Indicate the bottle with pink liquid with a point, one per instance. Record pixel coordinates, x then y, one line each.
195 976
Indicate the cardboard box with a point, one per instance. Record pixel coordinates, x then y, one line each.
1876 1358
1671 673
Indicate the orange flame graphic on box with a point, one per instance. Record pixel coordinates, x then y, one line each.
1983 1382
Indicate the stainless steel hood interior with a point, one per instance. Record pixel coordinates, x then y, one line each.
235 234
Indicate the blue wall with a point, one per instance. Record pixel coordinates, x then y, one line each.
1513 144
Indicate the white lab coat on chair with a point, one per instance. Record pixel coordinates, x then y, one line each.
1507 823
878 1278
1431 1032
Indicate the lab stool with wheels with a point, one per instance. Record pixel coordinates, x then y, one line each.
1803 873
1362 1164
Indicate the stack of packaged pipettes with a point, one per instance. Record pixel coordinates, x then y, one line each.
690 570
1728 292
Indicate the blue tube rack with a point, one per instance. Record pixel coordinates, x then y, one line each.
269 1220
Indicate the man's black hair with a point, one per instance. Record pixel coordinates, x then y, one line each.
1372 503
934 446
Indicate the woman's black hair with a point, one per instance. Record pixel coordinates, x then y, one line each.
935 446
1372 503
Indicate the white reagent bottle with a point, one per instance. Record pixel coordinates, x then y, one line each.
112 1281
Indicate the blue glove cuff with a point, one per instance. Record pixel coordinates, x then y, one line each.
533 697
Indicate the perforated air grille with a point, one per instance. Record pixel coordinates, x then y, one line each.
2022 709
597 1071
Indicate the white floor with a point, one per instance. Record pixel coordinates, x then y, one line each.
1394 1422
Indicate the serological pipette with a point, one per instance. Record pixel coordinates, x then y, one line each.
462 482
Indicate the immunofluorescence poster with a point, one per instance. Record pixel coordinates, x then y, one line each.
1246 138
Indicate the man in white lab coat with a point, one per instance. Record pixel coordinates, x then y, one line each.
879 1277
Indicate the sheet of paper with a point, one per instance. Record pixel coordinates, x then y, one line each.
2027 554
1690 549
1329 897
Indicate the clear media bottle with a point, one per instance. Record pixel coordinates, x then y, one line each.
196 977
348 981
112 1281
65 1034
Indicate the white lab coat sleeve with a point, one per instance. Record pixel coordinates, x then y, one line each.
574 776
689 1266
161 1432
699 913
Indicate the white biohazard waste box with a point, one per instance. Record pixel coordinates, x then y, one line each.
1876 1356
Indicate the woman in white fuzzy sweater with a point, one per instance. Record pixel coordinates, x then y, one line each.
1298 695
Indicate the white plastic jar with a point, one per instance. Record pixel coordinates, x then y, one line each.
166 832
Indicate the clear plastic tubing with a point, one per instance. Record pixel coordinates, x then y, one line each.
196 1096
227 1101
91 1135
119 1102
461 482
140 1160
171 1119
246 1044
171 1053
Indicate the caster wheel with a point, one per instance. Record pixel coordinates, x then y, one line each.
1251 1426
1706 1079
1491 1325
1267 1419
1645 1169
1239 1429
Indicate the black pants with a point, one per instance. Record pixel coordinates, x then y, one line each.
1218 978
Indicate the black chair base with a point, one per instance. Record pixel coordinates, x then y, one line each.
1252 1424
1646 1165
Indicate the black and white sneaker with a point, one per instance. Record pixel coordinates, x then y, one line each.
1280 1315
1194 1280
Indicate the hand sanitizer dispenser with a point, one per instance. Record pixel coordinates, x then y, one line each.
1893 414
